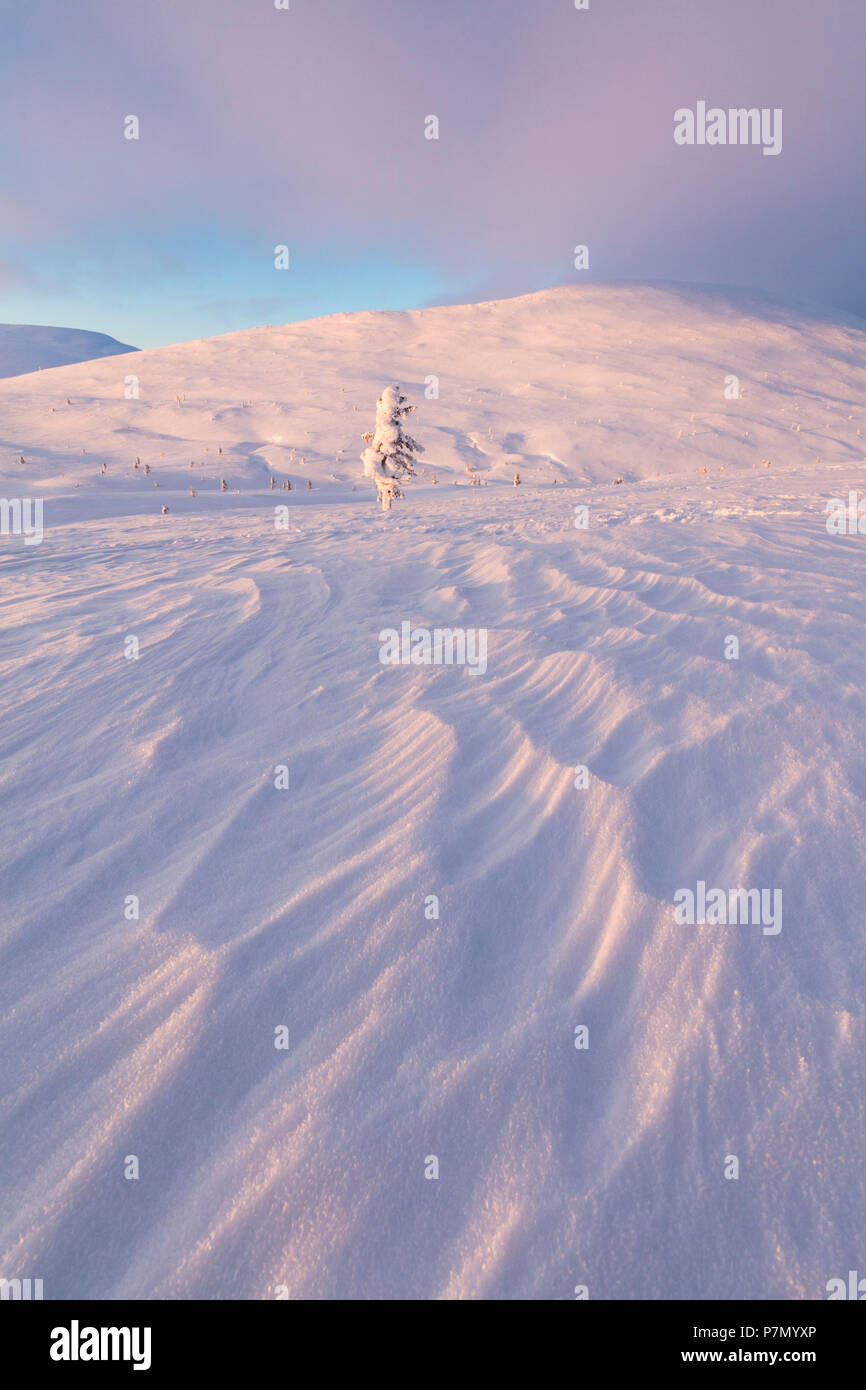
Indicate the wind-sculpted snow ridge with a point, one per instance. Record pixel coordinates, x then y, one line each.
263 1169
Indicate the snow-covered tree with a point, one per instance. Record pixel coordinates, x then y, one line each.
390 452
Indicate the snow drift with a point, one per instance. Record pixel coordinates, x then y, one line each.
402 871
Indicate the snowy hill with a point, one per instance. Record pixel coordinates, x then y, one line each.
28 347
579 384
170 904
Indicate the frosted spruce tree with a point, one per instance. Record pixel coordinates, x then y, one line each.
390 451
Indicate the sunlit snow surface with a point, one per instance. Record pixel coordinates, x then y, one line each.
453 1037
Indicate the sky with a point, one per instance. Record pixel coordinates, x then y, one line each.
262 127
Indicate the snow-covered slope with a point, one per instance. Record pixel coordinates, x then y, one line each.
411 1035
29 347
574 384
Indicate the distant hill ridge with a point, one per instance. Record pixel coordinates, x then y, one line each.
31 347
